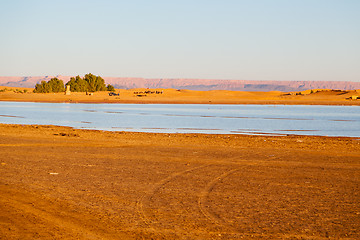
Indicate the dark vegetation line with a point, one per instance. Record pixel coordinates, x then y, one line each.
89 83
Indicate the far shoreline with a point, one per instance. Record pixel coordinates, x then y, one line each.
297 103
176 96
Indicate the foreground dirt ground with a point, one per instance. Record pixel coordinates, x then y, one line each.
61 183
309 97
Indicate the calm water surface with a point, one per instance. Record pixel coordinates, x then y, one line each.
190 118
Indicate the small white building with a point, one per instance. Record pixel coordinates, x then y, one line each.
67 92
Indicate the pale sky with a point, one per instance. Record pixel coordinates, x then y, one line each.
210 39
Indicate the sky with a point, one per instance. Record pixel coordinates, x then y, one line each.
317 40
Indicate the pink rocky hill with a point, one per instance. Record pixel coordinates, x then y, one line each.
194 84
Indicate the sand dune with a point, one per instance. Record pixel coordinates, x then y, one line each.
144 95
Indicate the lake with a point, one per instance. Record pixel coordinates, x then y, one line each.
190 118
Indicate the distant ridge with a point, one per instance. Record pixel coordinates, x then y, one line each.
194 84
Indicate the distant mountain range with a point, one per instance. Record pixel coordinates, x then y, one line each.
194 84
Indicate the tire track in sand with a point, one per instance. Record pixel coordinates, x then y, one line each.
156 187
25 205
204 195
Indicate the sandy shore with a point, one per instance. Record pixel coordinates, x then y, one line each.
324 97
62 183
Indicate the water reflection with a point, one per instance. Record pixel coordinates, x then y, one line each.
112 112
191 118
10 116
86 110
